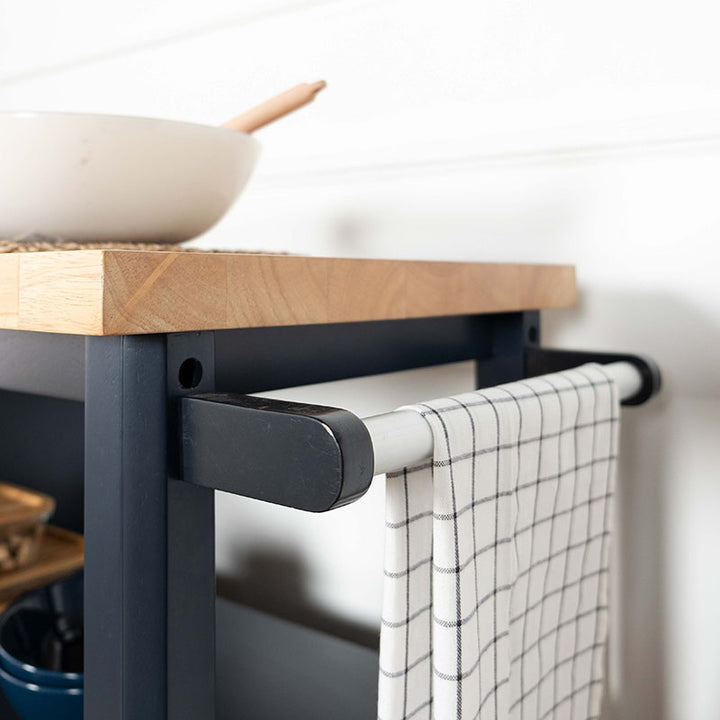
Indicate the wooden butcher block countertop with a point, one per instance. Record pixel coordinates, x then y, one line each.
138 291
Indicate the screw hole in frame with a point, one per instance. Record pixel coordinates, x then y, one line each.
190 373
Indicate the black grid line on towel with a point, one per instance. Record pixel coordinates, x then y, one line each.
480 399
534 467
497 636
458 609
589 537
470 455
459 567
609 482
407 587
489 498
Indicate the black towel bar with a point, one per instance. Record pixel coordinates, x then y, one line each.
312 457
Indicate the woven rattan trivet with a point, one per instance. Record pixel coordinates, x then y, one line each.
25 246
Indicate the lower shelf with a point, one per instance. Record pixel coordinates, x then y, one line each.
270 669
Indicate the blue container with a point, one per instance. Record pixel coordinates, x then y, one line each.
41 652
38 702
24 651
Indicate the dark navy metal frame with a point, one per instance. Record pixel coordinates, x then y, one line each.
163 425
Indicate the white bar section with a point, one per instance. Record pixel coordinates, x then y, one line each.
399 439
626 377
403 437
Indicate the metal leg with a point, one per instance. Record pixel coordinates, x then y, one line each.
191 602
511 333
125 528
191 547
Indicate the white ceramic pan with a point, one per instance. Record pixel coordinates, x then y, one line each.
107 178
117 179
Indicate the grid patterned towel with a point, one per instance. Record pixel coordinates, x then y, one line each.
497 550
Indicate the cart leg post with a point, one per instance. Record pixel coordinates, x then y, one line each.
191 545
125 528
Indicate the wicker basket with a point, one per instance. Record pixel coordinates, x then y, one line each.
23 516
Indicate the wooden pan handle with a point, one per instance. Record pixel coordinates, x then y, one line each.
275 107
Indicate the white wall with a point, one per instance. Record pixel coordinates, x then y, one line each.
554 131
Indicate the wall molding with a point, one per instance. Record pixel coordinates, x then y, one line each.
271 9
659 135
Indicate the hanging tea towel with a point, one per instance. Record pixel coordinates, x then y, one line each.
497 550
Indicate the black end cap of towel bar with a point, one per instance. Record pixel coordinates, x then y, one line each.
541 361
307 457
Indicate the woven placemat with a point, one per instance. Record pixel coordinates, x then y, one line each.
29 246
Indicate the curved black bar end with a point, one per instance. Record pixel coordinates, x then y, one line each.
307 457
541 361
651 379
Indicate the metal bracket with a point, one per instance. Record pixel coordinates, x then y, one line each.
541 361
191 544
307 457
312 457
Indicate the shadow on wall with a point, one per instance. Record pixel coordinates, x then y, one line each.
646 592
276 581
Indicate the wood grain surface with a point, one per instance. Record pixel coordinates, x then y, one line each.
126 292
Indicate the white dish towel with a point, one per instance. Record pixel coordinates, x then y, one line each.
497 550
